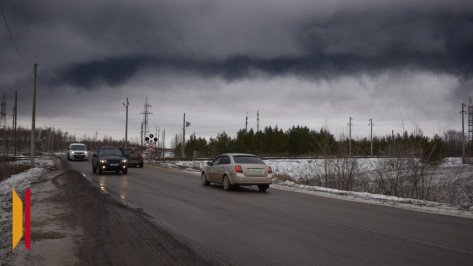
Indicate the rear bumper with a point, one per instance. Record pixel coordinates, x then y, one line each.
134 161
240 179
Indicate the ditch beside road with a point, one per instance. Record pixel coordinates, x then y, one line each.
74 223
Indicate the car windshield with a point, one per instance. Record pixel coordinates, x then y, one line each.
112 152
247 159
78 148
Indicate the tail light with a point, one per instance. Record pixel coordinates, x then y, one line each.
141 155
270 170
238 168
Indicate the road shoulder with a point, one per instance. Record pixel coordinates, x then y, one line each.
74 223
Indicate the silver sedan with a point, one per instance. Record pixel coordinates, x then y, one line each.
234 169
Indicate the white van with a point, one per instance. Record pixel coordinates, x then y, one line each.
77 151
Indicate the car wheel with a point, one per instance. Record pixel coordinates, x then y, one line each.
141 165
125 172
203 177
263 188
99 170
94 169
226 183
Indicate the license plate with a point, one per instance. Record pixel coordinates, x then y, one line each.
114 164
255 171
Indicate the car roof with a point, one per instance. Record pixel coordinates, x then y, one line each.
239 154
77 144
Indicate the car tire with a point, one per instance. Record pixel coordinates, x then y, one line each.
94 169
203 178
263 188
227 185
125 172
141 165
99 170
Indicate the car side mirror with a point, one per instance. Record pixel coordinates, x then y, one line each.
94 155
209 163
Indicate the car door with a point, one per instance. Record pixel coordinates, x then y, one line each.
212 169
221 169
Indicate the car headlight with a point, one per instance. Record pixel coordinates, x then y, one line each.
124 160
103 161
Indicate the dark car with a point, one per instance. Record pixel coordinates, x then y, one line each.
134 156
109 159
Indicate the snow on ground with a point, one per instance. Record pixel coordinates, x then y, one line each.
19 182
409 204
301 168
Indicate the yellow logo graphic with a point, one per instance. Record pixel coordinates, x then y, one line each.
17 219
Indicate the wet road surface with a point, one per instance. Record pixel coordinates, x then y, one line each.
247 227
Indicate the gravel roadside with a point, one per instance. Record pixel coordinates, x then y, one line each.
74 223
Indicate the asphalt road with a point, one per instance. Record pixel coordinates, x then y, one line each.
247 227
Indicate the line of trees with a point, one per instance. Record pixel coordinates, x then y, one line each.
302 141
297 141
49 139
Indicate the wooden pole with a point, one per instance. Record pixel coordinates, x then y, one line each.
33 117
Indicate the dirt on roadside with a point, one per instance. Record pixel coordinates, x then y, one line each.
102 231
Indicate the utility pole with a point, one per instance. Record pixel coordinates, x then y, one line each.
184 125
257 121
3 113
144 125
183 135
371 124
141 134
3 125
349 135
15 122
462 112
392 149
470 121
246 123
164 137
175 149
157 137
52 141
126 123
33 115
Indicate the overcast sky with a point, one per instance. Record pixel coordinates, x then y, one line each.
405 64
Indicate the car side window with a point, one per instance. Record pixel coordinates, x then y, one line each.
225 160
216 161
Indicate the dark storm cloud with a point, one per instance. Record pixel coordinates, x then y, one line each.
108 42
438 41
344 43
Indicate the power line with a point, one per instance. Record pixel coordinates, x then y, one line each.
11 36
